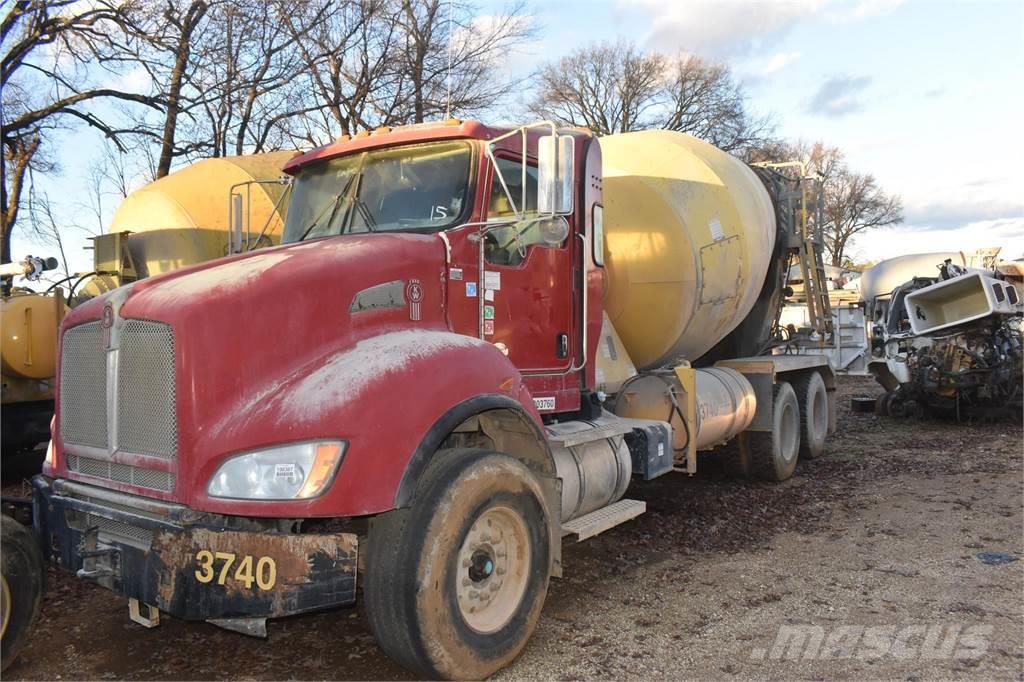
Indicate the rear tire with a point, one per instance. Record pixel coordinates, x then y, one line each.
812 396
455 584
22 587
773 455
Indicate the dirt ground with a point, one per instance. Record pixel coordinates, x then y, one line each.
871 552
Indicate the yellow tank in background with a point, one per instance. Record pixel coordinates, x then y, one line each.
196 214
690 232
205 211
28 363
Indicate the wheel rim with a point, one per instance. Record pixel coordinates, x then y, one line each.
789 432
494 567
5 606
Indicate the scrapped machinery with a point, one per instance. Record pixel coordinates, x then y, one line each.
949 343
210 209
469 343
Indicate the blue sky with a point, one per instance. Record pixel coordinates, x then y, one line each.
927 95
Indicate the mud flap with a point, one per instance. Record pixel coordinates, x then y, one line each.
553 501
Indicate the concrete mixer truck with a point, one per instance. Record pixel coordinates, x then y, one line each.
469 343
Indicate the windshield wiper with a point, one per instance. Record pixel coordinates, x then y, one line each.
331 206
364 211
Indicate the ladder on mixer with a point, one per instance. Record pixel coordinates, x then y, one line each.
806 243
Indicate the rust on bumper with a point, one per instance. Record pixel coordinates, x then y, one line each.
196 572
309 572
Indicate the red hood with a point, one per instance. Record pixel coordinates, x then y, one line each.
242 322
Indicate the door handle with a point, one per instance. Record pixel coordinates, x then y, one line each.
562 346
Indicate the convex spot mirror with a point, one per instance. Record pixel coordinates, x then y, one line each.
555 165
553 231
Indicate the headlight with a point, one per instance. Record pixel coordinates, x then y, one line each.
296 471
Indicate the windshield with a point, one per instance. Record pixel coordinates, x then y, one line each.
422 187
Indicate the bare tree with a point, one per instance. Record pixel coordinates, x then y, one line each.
450 58
852 202
47 47
374 63
617 88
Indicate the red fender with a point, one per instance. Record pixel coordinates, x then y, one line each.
387 397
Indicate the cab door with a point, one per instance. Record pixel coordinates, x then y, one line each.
529 295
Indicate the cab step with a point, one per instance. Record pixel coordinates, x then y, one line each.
598 521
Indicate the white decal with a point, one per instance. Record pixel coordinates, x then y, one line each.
456 273
544 403
716 229
492 280
489 295
661 450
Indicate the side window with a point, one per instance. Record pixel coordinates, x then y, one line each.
598 236
506 245
512 170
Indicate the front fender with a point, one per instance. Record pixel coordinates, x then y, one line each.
382 396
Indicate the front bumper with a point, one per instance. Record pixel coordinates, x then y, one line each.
188 564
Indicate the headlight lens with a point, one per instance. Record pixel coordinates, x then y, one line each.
297 471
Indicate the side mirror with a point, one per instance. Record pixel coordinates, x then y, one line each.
555 174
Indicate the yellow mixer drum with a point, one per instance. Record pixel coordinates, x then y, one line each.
690 231
182 219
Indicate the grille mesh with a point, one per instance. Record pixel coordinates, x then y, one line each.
119 529
122 473
146 418
83 389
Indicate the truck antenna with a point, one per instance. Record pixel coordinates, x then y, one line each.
448 101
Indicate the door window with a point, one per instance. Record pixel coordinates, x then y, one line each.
507 244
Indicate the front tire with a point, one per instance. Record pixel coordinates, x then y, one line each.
455 584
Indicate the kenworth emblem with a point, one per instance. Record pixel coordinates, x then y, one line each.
415 293
107 323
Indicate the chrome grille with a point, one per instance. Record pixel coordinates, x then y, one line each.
122 473
146 419
83 386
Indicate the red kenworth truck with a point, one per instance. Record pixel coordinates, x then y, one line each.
470 342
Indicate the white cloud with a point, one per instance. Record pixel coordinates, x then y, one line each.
838 96
719 28
865 9
133 80
778 62
1007 233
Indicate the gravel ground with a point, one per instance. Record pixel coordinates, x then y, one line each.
871 552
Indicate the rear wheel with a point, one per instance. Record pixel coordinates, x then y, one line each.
773 455
812 397
21 587
455 584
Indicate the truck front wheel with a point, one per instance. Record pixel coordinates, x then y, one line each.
455 584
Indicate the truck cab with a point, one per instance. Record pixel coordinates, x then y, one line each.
405 394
